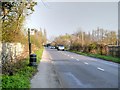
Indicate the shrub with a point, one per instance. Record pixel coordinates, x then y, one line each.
16 81
108 58
22 73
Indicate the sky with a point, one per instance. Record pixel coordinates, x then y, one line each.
60 17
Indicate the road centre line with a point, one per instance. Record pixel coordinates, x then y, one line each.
71 57
100 69
85 63
77 59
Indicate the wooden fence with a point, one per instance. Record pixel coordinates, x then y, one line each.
114 50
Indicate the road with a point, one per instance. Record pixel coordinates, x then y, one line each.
77 71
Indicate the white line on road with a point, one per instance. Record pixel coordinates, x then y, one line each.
85 63
100 69
71 57
77 59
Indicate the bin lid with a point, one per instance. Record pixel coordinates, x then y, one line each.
34 55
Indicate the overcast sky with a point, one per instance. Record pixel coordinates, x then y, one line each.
67 17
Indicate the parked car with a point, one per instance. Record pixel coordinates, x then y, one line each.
60 47
52 47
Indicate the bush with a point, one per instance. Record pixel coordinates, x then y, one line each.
108 58
16 81
22 73
11 68
39 54
20 79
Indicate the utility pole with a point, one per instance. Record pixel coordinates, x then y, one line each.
83 38
29 42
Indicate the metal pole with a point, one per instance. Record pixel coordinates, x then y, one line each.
29 42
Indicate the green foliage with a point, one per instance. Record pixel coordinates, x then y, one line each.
76 46
13 16
35 41
39 54
93 46
94 42
22 75
108 58
9 68
38 39
15 81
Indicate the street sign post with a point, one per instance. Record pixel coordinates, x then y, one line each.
29 42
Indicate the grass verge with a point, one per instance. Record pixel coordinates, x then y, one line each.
108 58
21 78
39 55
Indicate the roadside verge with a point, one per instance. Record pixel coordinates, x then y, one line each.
107 58
22 73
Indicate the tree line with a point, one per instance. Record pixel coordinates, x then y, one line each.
13 15
90 42
12 20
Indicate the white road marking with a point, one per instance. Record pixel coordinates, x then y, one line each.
100 69
85 63
71 57
77 59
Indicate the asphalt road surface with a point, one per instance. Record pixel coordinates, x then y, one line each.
77 71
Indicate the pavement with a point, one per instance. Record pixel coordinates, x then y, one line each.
46 75
63 69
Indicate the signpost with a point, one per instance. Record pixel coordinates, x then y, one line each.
32 57
29 42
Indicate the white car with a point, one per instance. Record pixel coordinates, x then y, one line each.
60 47
50 47
53 47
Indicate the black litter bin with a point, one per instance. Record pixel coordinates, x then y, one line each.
33 59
